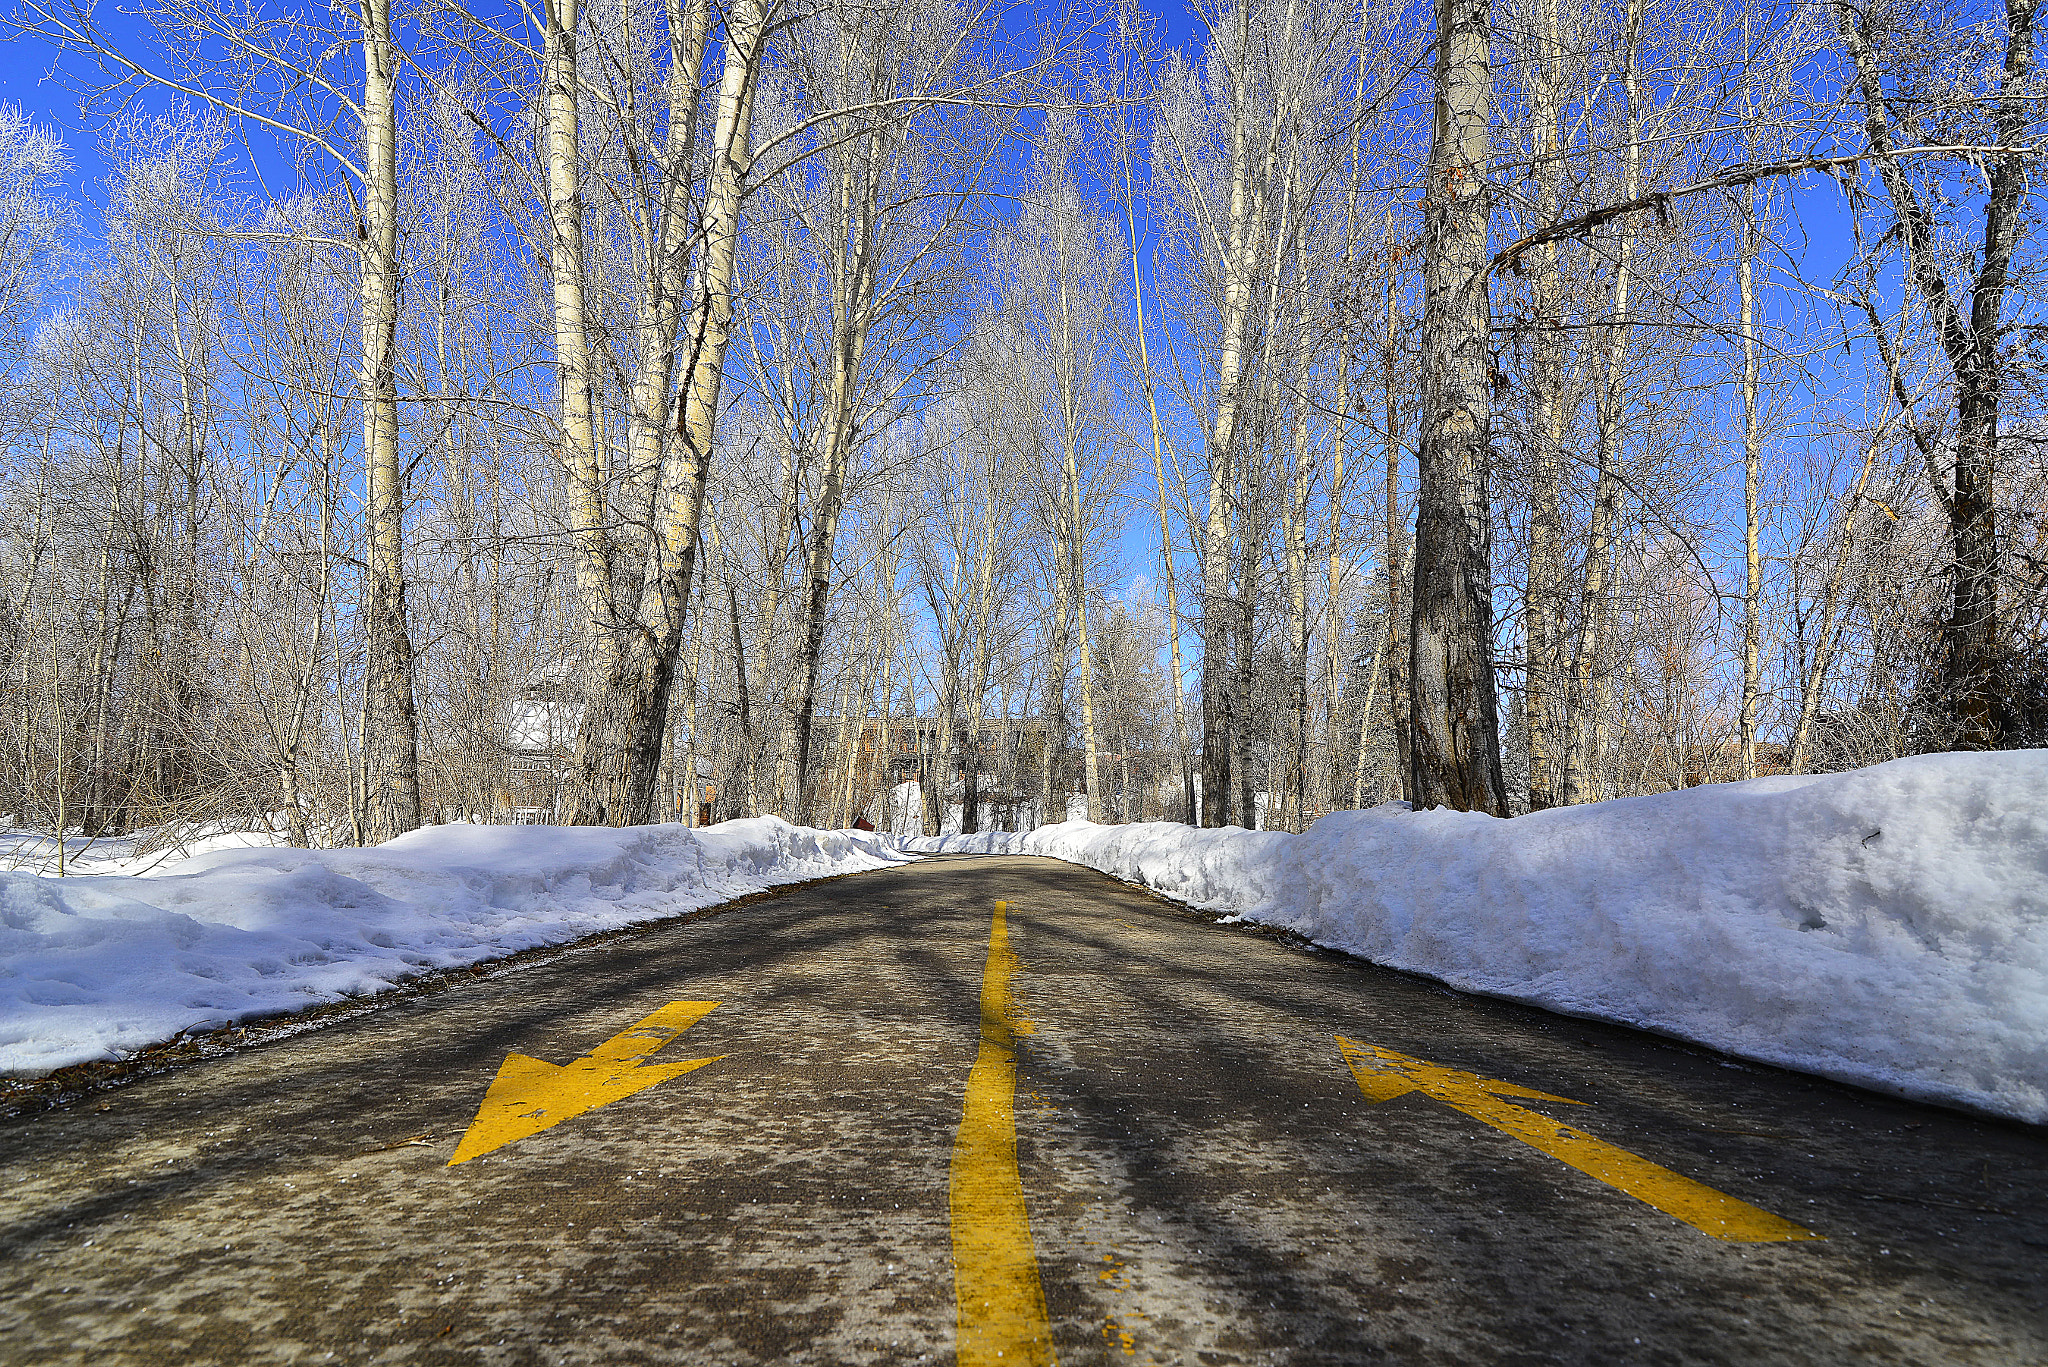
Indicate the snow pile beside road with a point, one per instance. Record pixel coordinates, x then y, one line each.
1886 927
94 967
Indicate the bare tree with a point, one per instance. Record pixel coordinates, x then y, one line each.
2001 114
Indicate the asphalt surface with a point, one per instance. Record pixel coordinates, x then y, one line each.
1205 1180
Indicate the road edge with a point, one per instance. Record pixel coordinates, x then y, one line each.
24 1098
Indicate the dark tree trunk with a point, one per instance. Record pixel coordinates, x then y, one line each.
1218 724
1054 796
1455 735
970 809
814 647
744 760
1245 626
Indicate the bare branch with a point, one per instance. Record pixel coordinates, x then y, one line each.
1658 200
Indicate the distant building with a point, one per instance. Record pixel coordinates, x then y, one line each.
1008 755
539 744
539 736
998 743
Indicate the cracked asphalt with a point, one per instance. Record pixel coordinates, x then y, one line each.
1205 1181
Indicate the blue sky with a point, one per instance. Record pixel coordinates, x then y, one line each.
49 89
1817 238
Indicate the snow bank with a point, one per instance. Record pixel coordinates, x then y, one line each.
94 967
139 851
1886 927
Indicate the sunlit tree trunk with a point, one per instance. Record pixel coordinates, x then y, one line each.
658 307
619 741
1814 679
1585 723
1399 560
1294 535
390 730
1077 562
1168 574
1752 478
1240 250
853 280
561 155
1543 618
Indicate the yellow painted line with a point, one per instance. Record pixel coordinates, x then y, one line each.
1001 1305
1383 1075
530 1095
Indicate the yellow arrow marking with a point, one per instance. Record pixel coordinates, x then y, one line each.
530 1095
1001 1307
1383 1075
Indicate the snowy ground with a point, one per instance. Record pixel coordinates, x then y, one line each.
98 965
139 852
1887 927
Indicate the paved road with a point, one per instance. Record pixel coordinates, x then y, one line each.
1201 1174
